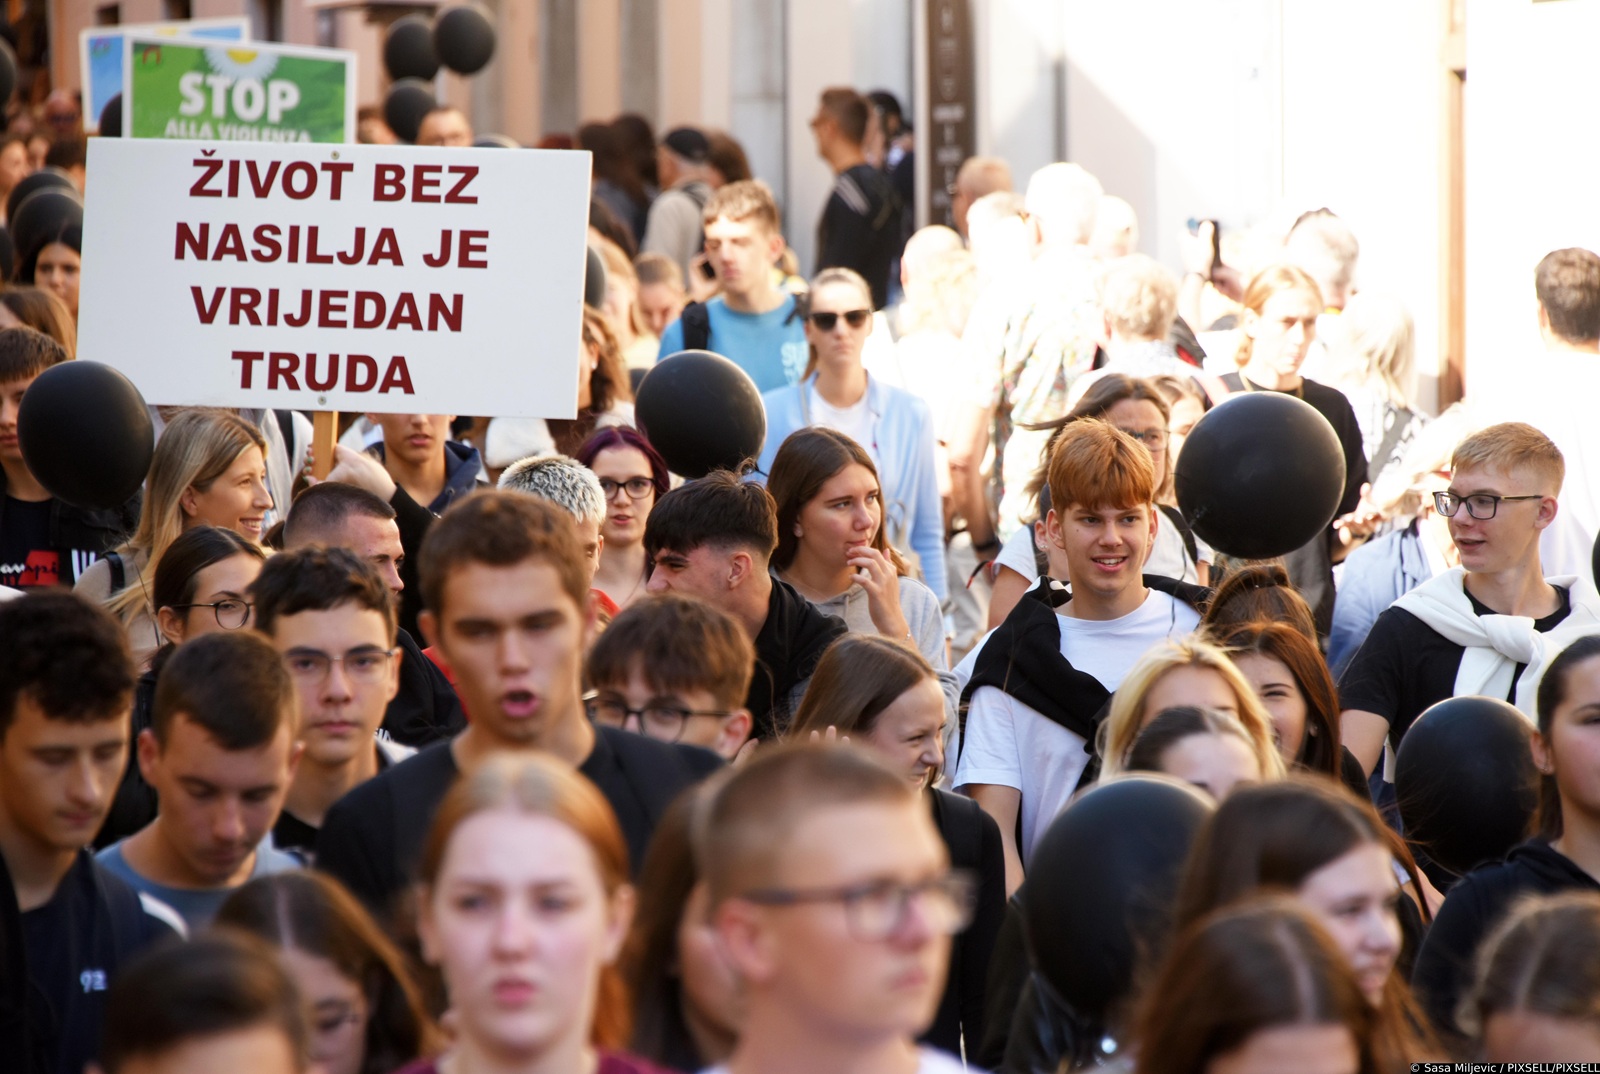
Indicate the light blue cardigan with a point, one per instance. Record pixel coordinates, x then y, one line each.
902 426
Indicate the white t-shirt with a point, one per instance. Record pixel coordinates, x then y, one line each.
854 421
1009 744
1168 556
931 1061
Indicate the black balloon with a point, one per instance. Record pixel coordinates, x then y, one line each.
1260 475
463 37
8 72
86 434
8 255
111 118
408 49
594 280
1101 883
408 101
42 179
43 217
702 412
1465 781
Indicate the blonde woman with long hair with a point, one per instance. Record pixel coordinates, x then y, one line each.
209 469
1187 672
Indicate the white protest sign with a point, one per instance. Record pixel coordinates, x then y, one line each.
392 279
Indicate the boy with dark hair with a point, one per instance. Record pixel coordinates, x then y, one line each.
425 709
712 539
678 669
43 541
1041 683
66 924
1476 628
507 598
220 752
329 613
834 899
222 1002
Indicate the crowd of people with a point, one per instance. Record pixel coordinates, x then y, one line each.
932 738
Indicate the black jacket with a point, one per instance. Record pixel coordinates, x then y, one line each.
57 961
1476 904
426 709
791 642
973 840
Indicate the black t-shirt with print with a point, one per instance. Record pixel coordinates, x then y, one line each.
1405 666
26 558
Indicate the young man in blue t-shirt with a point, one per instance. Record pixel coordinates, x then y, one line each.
754 321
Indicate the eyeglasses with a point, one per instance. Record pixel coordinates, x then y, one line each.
1154 439
360 665
635 487
1480 505
878 909
826 320
658 721
231 613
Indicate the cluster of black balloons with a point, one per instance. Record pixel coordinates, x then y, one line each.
461 38
41 209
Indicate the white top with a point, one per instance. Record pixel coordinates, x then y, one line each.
854 421
1009 744
1168 556
931 1061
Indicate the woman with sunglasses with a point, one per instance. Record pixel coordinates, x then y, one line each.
199 588
633 477
894 426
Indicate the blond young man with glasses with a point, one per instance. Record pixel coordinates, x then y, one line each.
330 614
834 899
1486 627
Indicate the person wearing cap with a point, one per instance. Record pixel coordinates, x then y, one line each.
673 227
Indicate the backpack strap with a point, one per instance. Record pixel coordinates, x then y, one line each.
696 326
119 572
1180 524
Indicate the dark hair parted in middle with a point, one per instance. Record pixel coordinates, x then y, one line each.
806 461
858 677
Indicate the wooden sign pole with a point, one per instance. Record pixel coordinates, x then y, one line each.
324 435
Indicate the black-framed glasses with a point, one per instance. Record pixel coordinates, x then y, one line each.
1154 439
635 487
1480 505
656 720
878 909
825 320
368 664
231 613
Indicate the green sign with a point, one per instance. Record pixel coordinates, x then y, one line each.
237 91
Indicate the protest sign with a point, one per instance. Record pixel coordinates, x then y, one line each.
100 54
393 279
246 92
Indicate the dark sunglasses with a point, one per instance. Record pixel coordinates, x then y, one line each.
853 318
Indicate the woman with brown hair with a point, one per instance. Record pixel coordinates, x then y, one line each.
1318 842
604 398
832 545
880 694
1537 995
367 1013
1294 685
42 310
687 1004
523 903
1258 591
1259 987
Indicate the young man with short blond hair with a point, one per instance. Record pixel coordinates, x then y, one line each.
1482 627
754 322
